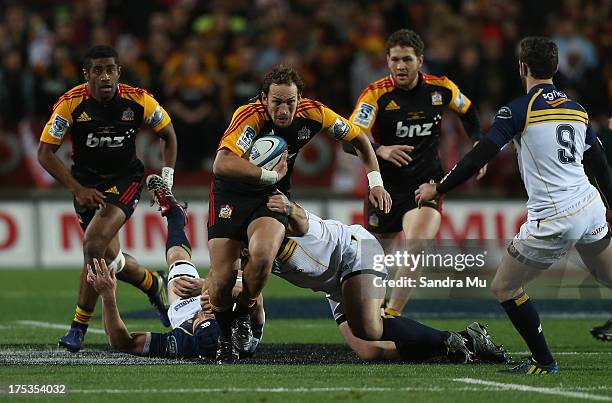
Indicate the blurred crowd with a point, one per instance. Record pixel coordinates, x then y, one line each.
202 59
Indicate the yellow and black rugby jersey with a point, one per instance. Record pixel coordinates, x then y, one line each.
311 117
412 117
103 135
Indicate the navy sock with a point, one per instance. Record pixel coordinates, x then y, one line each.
176 230
414 341
224 320
525 318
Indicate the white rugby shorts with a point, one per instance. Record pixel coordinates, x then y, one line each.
363 248
544 241
183 309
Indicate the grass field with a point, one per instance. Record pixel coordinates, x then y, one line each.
302 358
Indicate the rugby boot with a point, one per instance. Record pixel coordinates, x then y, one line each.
603 332
456 349
242 335
226 352
73 340
485 349
162 195
529 366
159 296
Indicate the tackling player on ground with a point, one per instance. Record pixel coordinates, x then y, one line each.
103 118
328 256
553 138
194 329
238 195
403 112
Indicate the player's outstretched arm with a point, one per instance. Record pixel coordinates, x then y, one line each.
298 219
104 282
47 158
471 125
473 161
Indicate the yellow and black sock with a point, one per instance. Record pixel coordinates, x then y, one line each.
149 282
525 318
82 317
392 313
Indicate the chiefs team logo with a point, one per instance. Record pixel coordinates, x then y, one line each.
226 211
128 115
436 98
303 134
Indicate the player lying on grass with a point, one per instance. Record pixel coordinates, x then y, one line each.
194 329
328 256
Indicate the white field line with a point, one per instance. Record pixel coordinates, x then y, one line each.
525 388
48 325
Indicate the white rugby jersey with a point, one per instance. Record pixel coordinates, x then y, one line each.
551 133
317 259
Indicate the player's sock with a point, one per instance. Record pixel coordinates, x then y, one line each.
414 340
525 318
81 318
224 317
176 230
148 284
392 312
245 304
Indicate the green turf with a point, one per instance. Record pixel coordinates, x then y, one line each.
49 296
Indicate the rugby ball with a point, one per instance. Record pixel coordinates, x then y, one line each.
266 151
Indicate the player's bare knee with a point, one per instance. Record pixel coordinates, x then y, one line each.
94 247
365 330
176 253
260 261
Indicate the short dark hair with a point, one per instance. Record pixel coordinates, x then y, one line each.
405 38
282 75
99 52
541 56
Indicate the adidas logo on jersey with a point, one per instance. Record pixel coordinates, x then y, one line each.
83 117
392 106
112 190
